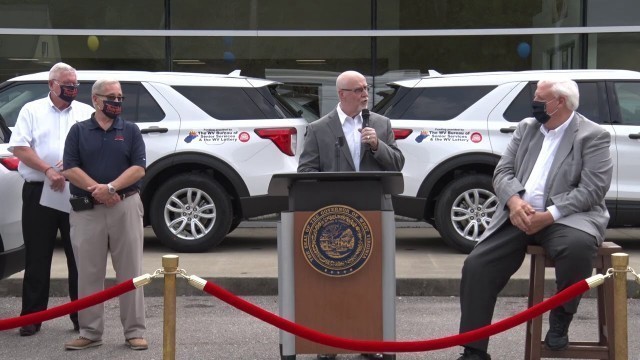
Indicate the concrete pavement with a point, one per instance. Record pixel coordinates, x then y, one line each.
246 264
210 329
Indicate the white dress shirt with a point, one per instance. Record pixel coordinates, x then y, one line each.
534 188
350 127
43 127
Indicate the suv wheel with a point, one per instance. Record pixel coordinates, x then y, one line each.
191 213
464 211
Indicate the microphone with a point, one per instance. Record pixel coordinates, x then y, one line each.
336 152
365 118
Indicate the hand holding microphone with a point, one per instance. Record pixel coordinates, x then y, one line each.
369 136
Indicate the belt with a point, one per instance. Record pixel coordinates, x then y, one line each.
34 183
123 195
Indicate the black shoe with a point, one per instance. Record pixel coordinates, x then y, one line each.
473 354
557 337
29 330
326 356
375 356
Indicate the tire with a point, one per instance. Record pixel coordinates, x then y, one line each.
191 213
464 211
234 223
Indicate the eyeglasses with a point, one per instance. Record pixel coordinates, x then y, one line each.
359 90
112 97
66 83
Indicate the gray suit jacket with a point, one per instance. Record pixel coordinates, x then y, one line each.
318 154
577 182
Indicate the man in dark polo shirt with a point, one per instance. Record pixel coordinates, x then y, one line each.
104 159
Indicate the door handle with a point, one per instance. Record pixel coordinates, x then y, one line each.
634 136
154 130
508 130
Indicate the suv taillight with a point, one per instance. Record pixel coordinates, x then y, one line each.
10 163
284 138
401 133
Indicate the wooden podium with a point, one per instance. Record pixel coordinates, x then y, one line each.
336 257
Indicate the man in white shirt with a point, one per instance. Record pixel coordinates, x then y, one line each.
38 141
551 182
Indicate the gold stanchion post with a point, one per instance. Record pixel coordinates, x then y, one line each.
620 262
170 266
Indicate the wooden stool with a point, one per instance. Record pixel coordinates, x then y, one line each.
603 348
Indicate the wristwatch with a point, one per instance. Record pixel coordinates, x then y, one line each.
112 190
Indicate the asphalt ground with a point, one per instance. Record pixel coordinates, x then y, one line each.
427 306
210 329
246 264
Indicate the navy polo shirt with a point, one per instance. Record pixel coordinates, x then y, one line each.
103 155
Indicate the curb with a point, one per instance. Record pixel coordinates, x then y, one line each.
517 287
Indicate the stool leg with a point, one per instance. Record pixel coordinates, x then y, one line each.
606 327
536 295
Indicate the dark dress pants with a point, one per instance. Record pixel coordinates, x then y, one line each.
493 261
40 225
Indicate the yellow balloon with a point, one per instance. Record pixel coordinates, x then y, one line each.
93 43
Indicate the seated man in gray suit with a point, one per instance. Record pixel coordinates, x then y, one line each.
370 147
551 182
350 138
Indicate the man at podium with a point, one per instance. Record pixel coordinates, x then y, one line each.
350 138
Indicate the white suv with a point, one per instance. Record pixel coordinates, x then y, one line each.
212 141
460 124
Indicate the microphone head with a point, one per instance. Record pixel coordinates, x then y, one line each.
365 118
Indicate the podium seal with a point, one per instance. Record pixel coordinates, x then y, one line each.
337 240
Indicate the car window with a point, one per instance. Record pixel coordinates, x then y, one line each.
443 103
12 99
591 103
139 105
225 103
628 98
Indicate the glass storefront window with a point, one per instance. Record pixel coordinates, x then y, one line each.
24 54
455 54
271 15
309 66
464 14
113 14
614 51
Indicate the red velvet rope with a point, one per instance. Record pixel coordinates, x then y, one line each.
68 308
370 346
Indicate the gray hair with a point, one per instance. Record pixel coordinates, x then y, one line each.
100 84
58 69
564 87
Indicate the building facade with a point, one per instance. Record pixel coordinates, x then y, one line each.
305 44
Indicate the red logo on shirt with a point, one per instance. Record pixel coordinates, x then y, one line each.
119 138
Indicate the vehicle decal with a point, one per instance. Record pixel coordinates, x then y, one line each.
449 135
213 136
244 136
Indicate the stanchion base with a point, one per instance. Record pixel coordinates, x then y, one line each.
286 357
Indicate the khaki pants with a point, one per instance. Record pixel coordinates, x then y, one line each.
94 232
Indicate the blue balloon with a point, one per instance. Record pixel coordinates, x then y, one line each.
228 57
524 49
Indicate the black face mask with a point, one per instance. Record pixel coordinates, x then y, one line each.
540 111
68 93
111 108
